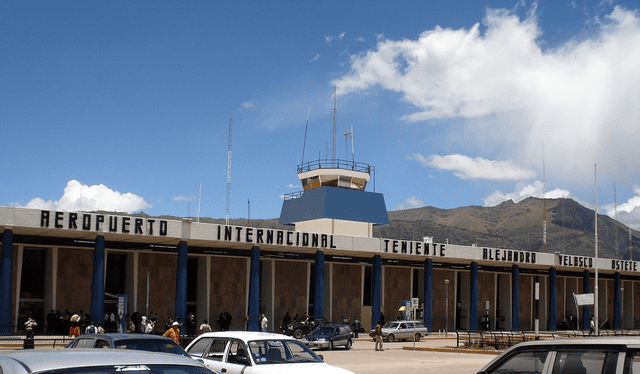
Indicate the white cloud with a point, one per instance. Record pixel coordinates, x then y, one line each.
409 203
330 38
315 58
248 105
80 197
465 167
531 190
581 99
628 212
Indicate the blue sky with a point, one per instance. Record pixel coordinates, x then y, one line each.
125 105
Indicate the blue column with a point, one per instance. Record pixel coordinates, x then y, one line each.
318 284
553 303
97 289
428 293
515 298
6 283
181 283
586 310
376 288
617 302
254 290
473 297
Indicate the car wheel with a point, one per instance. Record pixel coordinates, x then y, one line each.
348 345
331 345
297 334
391 338
417 337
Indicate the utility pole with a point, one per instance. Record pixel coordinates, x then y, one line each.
229 173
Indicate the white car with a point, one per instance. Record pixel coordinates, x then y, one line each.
97 361
236 352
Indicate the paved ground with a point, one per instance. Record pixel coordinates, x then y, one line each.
362 359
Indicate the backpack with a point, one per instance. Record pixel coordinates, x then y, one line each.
92 329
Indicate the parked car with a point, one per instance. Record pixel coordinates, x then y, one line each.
330 335
301 328
403 330
235 352
91 361
138 342
618 354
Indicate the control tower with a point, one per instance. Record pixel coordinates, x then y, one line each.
334 200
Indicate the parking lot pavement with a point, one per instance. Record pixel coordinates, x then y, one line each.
362 359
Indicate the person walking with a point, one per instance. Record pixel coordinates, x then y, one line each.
174 332
263 322
377 334
356 328
592 325
30 326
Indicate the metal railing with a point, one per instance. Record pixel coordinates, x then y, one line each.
334 164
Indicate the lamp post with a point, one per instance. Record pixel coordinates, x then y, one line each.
446 309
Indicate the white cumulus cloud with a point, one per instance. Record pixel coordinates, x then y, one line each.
535 189
628 212
81 197
410 203
465 167
580 99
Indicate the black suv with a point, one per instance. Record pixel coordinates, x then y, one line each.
330 335
301 328
140 342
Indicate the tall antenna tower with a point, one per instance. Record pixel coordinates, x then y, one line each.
306 127
544 205
615 209
335 113
348 135
229 173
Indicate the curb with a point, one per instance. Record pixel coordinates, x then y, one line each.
453 350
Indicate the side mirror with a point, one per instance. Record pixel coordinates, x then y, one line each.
242 360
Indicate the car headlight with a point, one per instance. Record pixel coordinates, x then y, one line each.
290 327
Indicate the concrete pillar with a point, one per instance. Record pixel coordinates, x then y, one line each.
181 283
376 290
318 284
586 310
553 303
473 297
254 290
97 288
515 298
6 283
428 293
617 302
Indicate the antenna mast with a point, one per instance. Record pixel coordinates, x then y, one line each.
335 113
199 200
304 144
615 208
544 205
229 172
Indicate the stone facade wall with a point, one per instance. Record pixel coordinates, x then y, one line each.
347 292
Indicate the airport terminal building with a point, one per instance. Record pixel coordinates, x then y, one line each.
328 265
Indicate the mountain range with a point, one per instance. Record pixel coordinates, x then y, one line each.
509 225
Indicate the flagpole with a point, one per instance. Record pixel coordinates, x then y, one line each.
596 249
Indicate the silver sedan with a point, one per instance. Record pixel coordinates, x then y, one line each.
93 361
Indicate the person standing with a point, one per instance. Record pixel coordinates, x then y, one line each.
377 334
356 328
205 326
174 332
263 323
30 326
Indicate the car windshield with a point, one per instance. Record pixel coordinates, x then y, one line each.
391 325
281 352
132 369
150 345
323 330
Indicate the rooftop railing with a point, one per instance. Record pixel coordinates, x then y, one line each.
334 164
